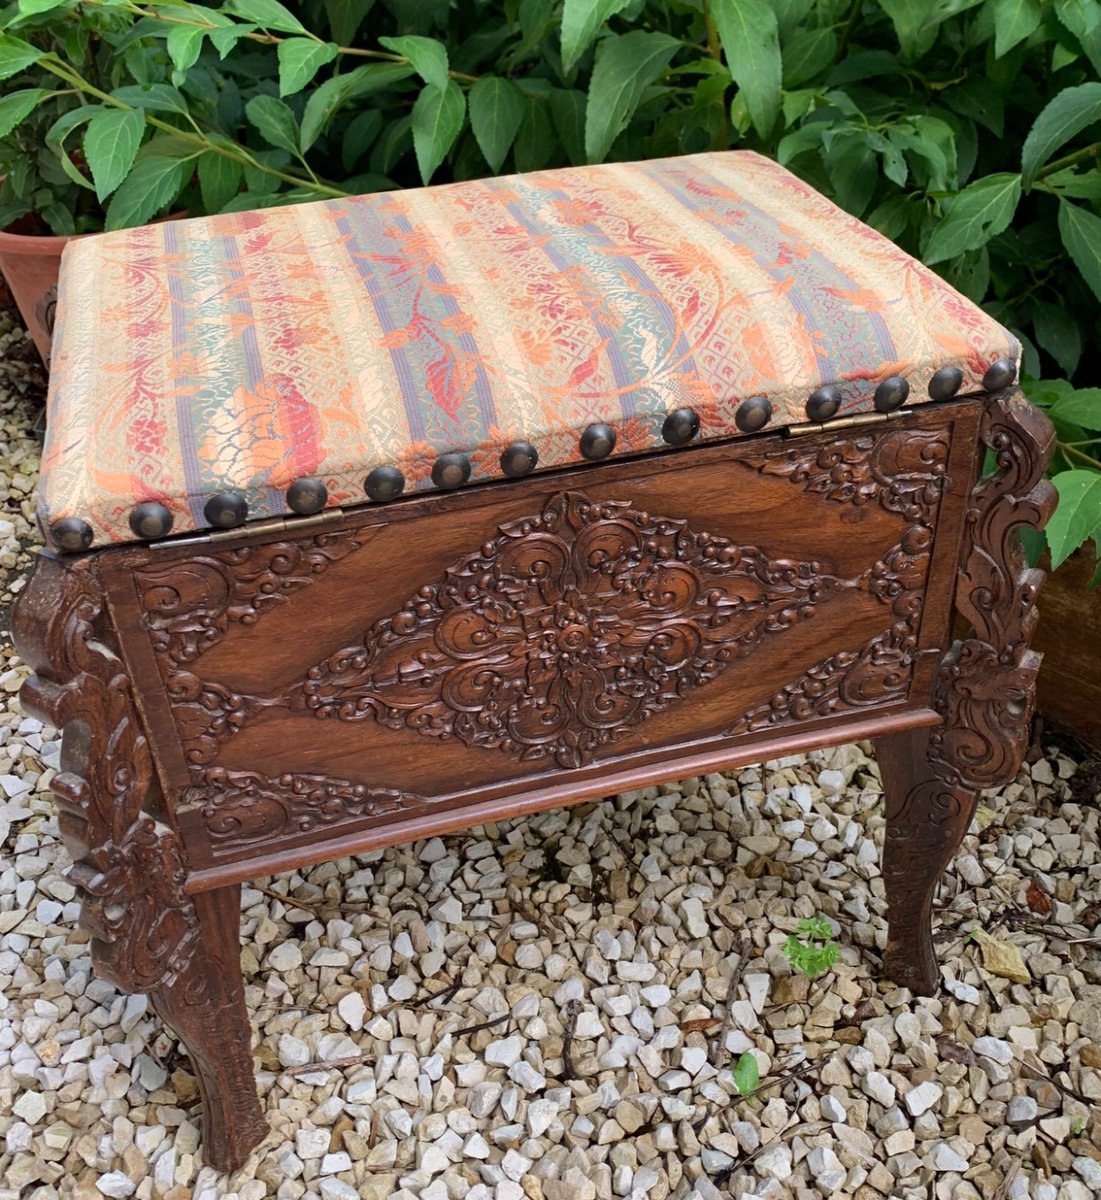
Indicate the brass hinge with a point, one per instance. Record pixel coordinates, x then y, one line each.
875 418
250 529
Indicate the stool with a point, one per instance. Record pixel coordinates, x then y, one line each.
379 518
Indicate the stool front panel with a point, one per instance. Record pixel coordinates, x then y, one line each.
471 646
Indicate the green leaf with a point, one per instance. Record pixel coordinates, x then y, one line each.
345 18
1057 332
496 110
17 105
916 21
626 64
568 115
1014 20
429 57
1068 114
748 32
807 53
219 179
226 37
1077 516
1081 234
1083 19
152 185
269 14
30 8
330 96
275 121
15 54
580 21
851 167
981 211
1074 185
300 59
747 1073
184 43
110 145
437 121
155 97
1082 406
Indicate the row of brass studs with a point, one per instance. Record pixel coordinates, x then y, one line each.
152 520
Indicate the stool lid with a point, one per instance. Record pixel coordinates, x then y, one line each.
210 372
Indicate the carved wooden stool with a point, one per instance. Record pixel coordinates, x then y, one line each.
380 518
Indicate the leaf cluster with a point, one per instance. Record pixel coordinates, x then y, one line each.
815 952
968 131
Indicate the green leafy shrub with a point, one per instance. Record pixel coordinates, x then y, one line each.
966 130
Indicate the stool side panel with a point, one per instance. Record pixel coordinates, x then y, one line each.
553 629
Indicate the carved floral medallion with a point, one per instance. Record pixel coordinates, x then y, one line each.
564 631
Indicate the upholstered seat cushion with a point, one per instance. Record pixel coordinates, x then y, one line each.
234 355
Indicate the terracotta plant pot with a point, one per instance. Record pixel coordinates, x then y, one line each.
31 264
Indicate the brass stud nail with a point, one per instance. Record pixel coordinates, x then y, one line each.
598 441
945 383
451 470
823 403
891 394
72 534
307 496
753 414
384 483
150 520
999 374
519 458
680 426
226 509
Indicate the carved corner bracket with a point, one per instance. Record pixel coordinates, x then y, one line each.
128 865
986 685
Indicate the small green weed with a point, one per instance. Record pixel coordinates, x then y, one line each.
1076 1128
814 953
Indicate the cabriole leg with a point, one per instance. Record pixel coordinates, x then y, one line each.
147 934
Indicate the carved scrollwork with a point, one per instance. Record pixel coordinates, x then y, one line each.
129 865
858 471
566 629
190 604
242 809
880 671
904 470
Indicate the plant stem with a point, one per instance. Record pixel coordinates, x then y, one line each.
237 153
847 29
1068 449
715 50
1069 160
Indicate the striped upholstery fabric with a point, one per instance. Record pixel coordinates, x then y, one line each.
245 351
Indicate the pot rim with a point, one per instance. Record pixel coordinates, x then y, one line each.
33 243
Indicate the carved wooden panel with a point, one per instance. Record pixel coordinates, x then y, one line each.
300 688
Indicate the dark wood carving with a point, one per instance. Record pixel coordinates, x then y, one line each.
905 472
564 631
903 469
985 688
147 933
190 604
241 809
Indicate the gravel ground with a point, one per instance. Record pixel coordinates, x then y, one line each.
543 1008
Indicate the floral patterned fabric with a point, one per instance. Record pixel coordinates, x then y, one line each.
245 351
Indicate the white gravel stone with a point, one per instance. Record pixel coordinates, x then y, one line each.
922 1098
352 1010
775 1161
116 1184
989 1047
505 1052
